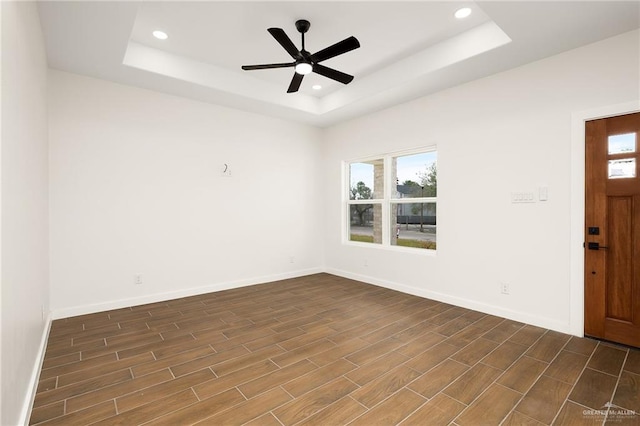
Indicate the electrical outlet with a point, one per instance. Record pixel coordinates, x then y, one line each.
504 288
137 279
292 259
366 263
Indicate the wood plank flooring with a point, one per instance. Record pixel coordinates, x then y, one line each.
324 350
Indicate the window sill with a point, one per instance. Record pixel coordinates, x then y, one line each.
387 247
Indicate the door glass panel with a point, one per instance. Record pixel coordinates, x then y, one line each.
625 168
621 144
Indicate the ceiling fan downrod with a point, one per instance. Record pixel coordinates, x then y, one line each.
302 25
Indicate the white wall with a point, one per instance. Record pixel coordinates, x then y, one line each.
507 133
24 260
136 188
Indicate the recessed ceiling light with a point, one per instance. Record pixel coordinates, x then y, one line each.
160 35
462 13
316 87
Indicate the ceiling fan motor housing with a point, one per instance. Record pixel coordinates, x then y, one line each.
302 25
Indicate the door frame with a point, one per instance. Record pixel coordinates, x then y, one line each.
577 238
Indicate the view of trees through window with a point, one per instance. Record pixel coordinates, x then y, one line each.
409 207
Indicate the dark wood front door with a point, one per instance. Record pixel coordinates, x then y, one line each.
612 234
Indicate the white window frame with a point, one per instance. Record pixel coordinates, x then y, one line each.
386 201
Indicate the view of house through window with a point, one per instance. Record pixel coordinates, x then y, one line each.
400 213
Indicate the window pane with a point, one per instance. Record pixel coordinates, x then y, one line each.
365 223
619 144
366 180
413 225
416 175
625 168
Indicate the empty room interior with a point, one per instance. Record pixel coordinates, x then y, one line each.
329 213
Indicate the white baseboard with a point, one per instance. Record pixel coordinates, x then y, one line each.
458 301
440 297
160 297
27 405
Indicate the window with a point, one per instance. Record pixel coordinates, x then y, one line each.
621 147
392 200
366 191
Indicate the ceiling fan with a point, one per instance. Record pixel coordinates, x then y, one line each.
305 62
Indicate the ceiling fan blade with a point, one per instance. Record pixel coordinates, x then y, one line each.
339 48
295 82
284 40
332 74
267 66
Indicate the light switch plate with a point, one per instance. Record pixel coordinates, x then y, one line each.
522 197
543 193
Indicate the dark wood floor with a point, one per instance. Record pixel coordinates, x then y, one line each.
326 350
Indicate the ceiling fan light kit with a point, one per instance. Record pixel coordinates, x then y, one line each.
304 68
305 62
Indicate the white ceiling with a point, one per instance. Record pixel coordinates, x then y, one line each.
408 49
